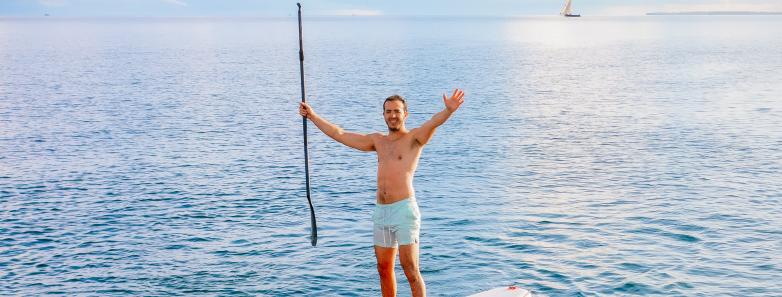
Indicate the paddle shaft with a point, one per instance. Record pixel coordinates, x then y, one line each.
314 235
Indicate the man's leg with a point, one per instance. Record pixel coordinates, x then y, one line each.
385 267
408 257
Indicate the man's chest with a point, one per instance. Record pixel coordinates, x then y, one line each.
396 149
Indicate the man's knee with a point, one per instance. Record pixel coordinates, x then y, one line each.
385 268
413 276
410 266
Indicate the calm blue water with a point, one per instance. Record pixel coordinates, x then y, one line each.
598 156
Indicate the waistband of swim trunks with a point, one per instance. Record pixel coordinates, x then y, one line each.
400 202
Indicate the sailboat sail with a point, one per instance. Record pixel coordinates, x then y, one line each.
566 10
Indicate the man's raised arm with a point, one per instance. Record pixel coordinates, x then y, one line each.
424 133
357 141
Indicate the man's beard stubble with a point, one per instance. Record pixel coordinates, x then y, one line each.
391 129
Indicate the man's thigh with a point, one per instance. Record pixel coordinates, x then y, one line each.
408 254
385 256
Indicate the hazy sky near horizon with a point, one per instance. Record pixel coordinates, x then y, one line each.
365 7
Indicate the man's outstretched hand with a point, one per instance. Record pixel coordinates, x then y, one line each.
305 110
456 100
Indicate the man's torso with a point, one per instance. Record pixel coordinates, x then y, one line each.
397 159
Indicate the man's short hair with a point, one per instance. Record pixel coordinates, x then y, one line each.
395 98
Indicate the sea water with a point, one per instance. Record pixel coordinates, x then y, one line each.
600 156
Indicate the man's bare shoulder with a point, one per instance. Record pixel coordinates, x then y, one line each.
417 130
414 133
376 137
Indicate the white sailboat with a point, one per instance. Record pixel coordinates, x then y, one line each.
567 11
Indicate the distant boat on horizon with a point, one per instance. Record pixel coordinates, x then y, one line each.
567 11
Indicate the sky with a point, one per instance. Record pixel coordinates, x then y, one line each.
109 8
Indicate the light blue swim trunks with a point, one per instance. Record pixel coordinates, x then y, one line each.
397 223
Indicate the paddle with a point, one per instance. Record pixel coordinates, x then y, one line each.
314 235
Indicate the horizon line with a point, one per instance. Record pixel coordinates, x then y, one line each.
293 15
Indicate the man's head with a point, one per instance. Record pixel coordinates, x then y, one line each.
395 112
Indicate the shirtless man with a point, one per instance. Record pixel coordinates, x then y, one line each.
397 220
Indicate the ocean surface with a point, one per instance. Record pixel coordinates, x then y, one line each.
600 156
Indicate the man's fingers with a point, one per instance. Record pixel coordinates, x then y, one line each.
304 109
457 94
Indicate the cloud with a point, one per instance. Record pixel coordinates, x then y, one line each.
725 5
53 3
176 2
350 12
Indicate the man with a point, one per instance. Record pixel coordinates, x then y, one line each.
397 220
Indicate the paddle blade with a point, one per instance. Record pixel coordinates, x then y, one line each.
314 234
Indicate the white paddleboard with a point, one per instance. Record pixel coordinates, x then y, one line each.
511 291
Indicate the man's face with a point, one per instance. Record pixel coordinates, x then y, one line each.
395 115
